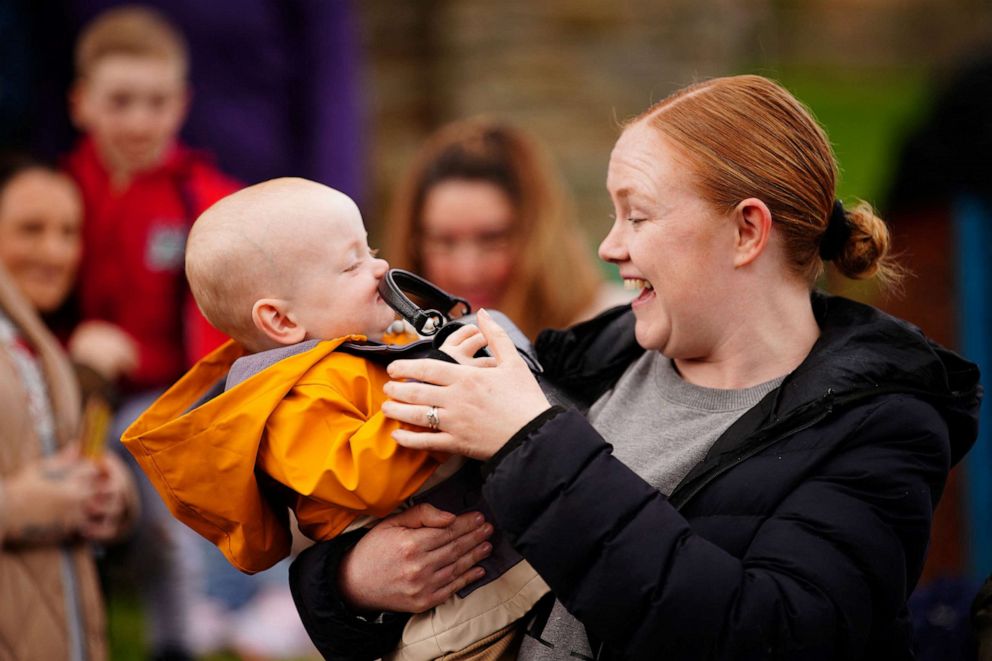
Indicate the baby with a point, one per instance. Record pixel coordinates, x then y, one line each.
284 268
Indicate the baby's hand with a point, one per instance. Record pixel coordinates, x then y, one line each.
464 343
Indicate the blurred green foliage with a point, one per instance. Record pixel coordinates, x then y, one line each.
867 114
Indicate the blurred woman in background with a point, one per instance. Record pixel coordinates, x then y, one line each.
483 215
52 501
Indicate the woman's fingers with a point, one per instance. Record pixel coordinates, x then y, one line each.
431 441
462 572
471 344
423 515
456 562
424 369
477 410
468 548
414 393
499 343
412 414
461 335
448 527
409 558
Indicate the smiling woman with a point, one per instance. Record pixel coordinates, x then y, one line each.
751 467
482 214
40 223
51 500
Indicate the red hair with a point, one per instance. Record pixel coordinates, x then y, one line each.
747 136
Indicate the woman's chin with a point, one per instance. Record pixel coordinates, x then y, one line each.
649 334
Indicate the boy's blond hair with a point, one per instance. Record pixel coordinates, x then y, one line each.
131 30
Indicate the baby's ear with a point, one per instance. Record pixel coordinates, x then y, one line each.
273 318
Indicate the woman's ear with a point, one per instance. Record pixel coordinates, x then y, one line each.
754 227
273 317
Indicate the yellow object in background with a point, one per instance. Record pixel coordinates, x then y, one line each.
96 421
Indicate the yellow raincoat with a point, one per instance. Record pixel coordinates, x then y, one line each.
305 432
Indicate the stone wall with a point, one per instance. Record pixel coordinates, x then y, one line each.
569 70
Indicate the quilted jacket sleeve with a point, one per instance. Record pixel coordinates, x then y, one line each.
337 631
837 553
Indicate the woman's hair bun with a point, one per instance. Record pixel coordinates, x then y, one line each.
867 251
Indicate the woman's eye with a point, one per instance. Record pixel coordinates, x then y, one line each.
373 252
635 221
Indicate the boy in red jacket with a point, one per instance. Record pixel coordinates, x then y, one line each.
142 190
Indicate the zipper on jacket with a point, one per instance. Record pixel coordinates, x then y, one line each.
678 500
683 493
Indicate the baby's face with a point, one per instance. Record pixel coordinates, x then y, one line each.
337 293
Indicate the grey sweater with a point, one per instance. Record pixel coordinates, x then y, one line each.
660 426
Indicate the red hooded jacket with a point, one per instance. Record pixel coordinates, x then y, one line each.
132 273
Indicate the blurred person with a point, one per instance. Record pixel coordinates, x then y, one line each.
52 500
141 191
276 84
757 465
482 214
300 406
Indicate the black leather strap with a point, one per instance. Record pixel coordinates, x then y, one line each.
439 303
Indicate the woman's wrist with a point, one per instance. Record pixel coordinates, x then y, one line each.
518 438
337 629
351 595
351 591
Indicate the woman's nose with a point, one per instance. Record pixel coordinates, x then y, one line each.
468 266
612 248
57 250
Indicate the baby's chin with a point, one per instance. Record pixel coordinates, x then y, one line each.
380 331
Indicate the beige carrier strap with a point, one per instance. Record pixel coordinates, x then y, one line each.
458 626
501 646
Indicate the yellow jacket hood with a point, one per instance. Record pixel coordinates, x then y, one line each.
305 432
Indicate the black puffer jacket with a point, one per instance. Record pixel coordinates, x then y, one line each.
801 534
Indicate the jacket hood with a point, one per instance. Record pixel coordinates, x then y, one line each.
861 352
193 446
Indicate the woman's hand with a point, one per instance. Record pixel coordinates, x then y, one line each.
464 343
107 513
414 560
46 502
478 408
105 347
